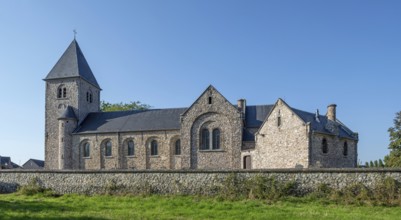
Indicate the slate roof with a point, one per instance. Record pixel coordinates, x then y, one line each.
169 119
34 164
139 120
72 64
320 126
68 113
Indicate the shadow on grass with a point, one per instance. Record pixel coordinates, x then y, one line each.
39 210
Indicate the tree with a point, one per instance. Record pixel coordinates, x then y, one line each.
112 107
381 164
371 164
394 158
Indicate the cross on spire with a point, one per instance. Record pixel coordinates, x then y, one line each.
75 33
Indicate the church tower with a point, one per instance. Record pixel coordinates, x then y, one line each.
71 93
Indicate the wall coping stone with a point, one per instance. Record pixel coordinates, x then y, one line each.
310 170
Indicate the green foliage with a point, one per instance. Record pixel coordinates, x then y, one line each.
112 107
33 188
394 158
381 164
259 187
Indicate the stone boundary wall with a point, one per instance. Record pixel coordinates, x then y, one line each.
182 182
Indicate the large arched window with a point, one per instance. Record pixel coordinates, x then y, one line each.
177 147
325 148
216 139
86 150
345 149
153 148
205 140
131 148
108 149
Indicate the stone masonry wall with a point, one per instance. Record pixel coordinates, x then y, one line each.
211 110
120 159
183 182
282 146
335 156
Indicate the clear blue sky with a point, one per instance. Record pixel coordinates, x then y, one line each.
165 53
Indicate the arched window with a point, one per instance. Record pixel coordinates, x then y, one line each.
345 149
61 92
89 97
86 150
216 139
153 148
325 147
177 147
108 150
131 148
205 145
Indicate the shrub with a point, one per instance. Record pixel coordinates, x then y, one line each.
33 187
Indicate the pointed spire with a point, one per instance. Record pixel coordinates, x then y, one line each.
72 64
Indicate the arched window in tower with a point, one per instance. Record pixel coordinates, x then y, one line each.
131 149
153 148
61 92
89 96
108 149
345 149
325 148
205 140
177 147
86 150
216 139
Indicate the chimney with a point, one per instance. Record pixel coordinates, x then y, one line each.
241 103
331 112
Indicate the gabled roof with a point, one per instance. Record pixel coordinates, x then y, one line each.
210 87
34 164
72 64
68 113
125 121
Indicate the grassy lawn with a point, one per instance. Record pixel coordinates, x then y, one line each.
14 206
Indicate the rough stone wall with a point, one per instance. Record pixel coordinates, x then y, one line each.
120 159
334 157
284 146
76 98
66 127
86 107
218 114
184 182
53 108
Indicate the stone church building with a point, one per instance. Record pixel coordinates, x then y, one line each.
212 133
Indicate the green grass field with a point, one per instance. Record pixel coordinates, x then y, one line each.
13 206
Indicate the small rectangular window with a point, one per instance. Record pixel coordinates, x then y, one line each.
210 100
